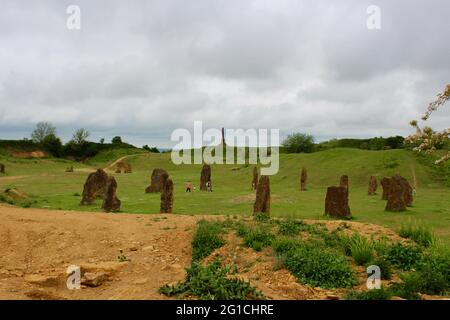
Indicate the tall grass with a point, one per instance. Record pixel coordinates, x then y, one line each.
420 234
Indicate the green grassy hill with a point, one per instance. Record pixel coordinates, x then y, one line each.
48 186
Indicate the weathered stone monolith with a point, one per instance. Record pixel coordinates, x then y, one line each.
94 186
2 168
255 178
127 168
344 181
373 185
262 201
205 176
69 169
336 202
407 192
386 184
395 199
110 201
167 197
303 178
159 177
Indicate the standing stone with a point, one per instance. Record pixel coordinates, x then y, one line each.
167 197
94 186
205 176
303 178
344 181
407 191
255 178
127 168
386 184
396 201
159 177
336 202
262 201
223 137
110 201
373 185
2 168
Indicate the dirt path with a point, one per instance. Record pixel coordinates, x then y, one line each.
38 246
114 163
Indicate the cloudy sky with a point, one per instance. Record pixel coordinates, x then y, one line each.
141 69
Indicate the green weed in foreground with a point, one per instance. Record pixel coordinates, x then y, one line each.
420 234
212 282
359 247
207 238
404 257
374 294
315 265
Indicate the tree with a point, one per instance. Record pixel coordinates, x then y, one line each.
116 140
102 140
427 140
53 145
299 142
80 136
43 130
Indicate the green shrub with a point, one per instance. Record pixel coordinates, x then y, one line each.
419 234
207 238
258 238
282 246
358 247
385 267
319 266
211 282
374 294
404 257
291 227
262 217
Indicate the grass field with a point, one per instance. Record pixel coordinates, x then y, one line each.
48 186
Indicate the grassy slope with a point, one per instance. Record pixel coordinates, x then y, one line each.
53 188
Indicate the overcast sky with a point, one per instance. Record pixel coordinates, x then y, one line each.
141 69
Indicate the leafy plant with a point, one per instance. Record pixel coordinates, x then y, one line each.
404 257
212 282
316 265
121 257
291 227
373 294
206 239
360 249
385 267
258 238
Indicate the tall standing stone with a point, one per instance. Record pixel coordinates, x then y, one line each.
2 168
94 186
344 181
110 201
205 176
407 191
303 178
167 197
262 201
386 184
159 177
395 199
373 185
255 178
336 202
223 137
127 168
